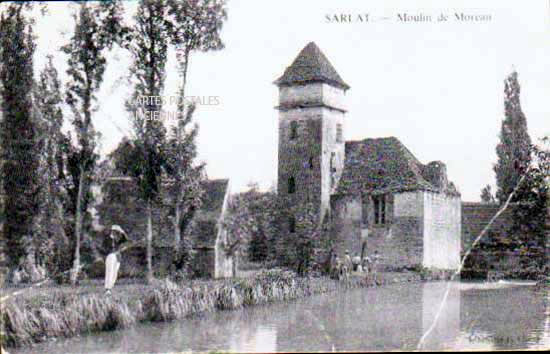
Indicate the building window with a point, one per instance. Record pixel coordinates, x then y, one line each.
311 163
332 169
293 130
338 133
292 224
291 185
379 203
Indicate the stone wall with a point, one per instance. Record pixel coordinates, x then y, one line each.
422 228
314 157
407 228
399 242
312 94
223 263
346 224
442 236
475 216
300 157
488 256
333 154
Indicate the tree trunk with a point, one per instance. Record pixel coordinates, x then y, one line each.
78 227
177 229
234 264
149 242
179 197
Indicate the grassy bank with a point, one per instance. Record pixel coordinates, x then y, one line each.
66 312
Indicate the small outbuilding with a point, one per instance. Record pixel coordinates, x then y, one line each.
118 204
208 233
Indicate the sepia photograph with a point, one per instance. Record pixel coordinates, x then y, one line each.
240 176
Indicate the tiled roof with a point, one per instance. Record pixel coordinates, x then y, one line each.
214 194
311 65
383 165
204 227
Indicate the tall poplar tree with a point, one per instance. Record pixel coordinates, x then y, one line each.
513 150
149 49
18 132
98 27
49 101
194 26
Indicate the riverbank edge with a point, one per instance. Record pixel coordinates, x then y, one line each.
64 315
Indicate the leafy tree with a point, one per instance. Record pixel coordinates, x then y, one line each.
251 224
186 177
97 28
185 173
195 26
487 195
239 225
49 102
513 150
302 243
18 131
149 49
192 26
529 215
307 246
304 240
261 206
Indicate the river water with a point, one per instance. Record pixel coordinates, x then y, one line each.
475 316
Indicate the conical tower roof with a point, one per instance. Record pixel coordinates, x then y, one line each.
311 65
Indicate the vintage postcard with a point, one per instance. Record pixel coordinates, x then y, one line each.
274 176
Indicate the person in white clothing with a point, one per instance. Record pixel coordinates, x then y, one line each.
116 237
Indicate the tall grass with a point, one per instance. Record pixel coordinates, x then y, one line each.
59 314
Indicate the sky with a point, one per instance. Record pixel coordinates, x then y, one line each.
436 86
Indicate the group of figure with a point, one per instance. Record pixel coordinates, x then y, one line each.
341 268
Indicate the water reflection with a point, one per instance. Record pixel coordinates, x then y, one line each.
512 318
388 318
447 327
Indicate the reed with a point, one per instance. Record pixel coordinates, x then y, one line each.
64 314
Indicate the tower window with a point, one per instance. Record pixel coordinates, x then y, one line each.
292 224
293 130
338 133
379 209
291 185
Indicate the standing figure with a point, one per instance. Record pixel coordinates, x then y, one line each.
356 260
375 259
116 237
333 265
337 270
366 264
347 262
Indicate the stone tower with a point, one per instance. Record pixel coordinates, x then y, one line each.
311 131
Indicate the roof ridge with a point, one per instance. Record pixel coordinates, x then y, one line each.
311 65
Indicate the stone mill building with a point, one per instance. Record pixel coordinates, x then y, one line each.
371 192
